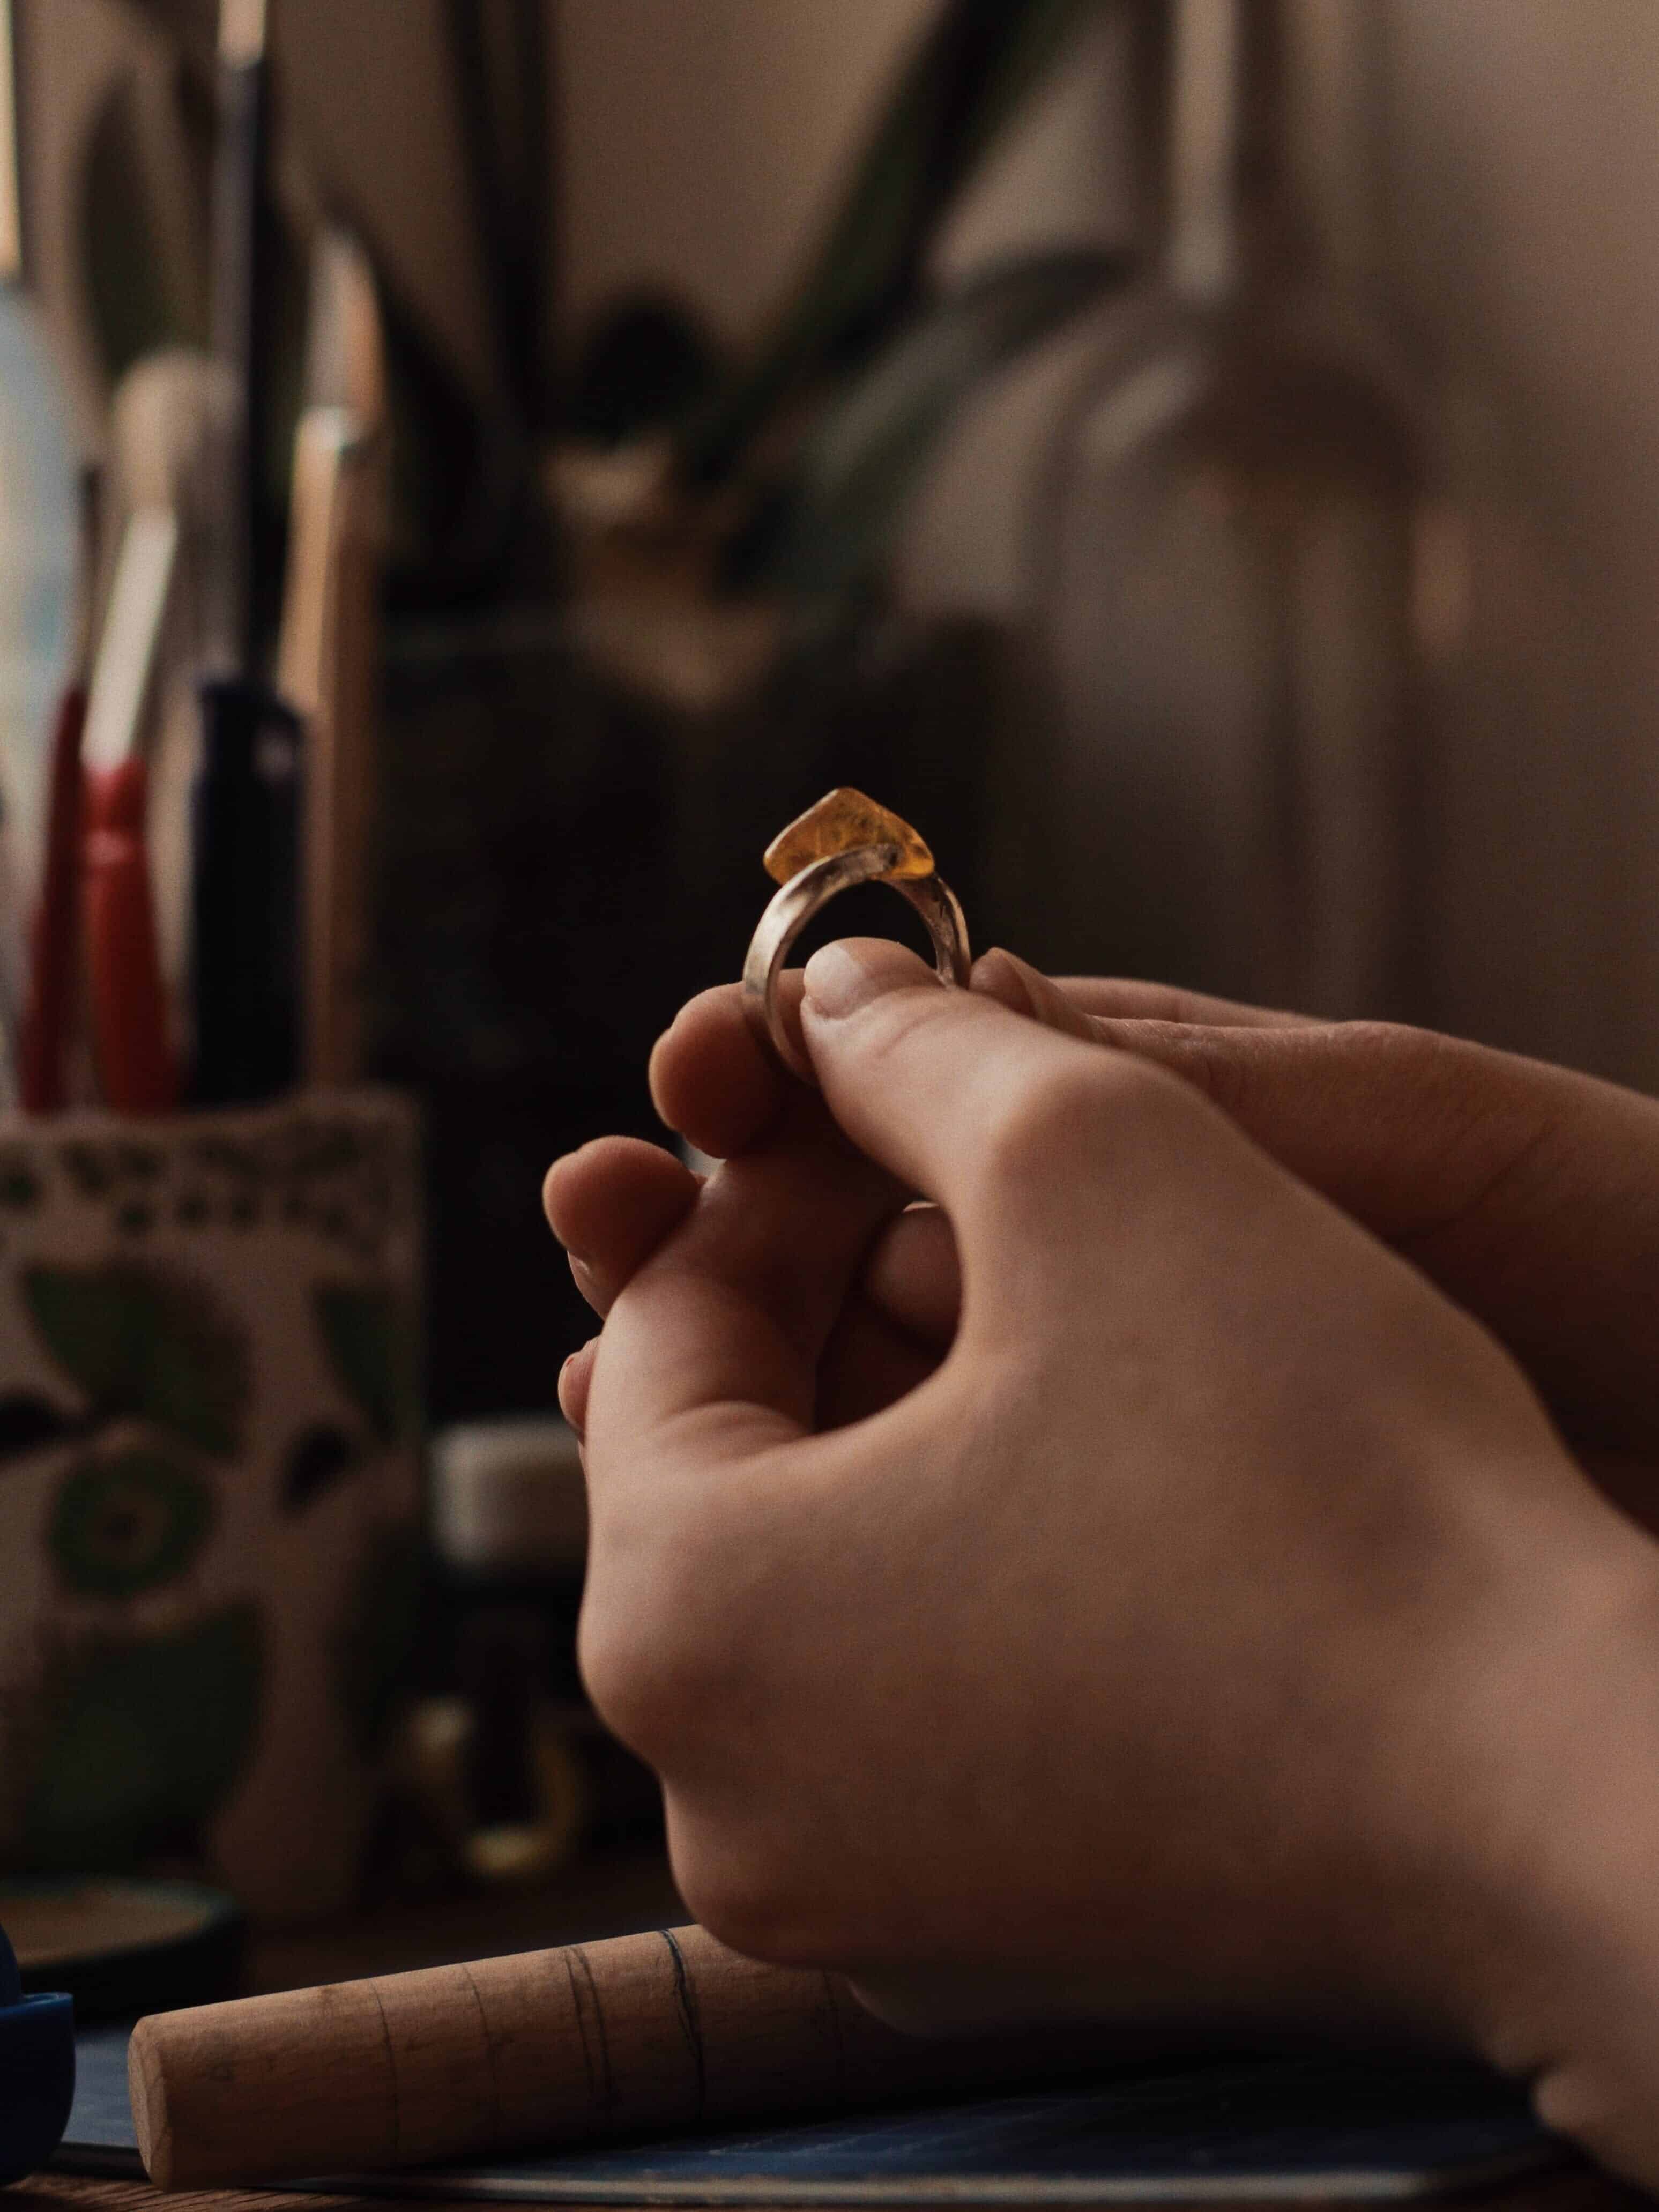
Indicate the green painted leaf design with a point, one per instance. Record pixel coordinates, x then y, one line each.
317 1461
20 1180
377 1632
126 1521
143 1743
30 1423
147 1341
368 1336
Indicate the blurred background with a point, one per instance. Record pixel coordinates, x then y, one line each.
566 713
1196 459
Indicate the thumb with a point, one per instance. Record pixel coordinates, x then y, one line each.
1020 1131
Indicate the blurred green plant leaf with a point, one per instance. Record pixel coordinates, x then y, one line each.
861 463
142 1742
963 85
140 1340
192 25
143 275
371 1351
125 1523
458 473
645 364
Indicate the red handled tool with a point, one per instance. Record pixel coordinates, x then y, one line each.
137 1067
49 1007
246 807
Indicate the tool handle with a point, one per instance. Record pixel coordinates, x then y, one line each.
245 951
137 1067
635 2035
242 310
49 1005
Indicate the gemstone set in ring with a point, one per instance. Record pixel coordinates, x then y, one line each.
846 839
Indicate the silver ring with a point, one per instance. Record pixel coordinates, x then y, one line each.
816 883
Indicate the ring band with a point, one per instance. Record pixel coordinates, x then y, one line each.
815 885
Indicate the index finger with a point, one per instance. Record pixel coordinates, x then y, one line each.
716 1341
1131 999
712 1081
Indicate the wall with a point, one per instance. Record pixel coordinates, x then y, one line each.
700 140
1525 177
1524 158
702 145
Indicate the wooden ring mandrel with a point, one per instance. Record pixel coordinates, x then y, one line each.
635 2035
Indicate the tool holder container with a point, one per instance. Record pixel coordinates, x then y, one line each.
210 1487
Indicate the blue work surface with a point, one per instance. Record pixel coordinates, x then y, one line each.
1328 2127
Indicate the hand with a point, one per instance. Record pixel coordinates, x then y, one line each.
1528 1192
613 1203
1220 1623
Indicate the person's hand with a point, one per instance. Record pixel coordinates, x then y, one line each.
1220 1625
715 1083
613 1203
1530 1193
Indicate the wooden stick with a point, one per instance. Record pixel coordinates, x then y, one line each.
637 2034
11 211
327 669
328 661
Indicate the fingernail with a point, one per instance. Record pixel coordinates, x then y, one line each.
843 976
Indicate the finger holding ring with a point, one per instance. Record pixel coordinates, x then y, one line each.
846 839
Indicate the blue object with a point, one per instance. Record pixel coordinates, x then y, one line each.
37 2071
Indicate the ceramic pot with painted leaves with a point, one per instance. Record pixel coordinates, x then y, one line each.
209 1488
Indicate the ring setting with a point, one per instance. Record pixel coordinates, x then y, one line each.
846 839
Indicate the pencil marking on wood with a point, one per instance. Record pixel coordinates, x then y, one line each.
590 2013
391 2069
581 2029
490 2057
685 2003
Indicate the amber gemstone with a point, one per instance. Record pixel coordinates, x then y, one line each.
842 822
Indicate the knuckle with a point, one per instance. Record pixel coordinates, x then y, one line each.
1218 1070
895 1027
1029 1127
1437 1073
759 1895
1368 1039
654 1655
1066 1117
737 1897
629 1687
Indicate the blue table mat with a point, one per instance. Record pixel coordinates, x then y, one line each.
1342 2126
